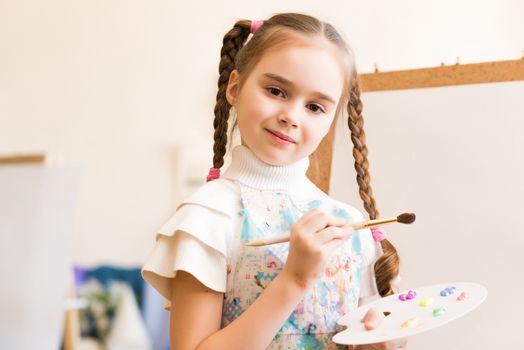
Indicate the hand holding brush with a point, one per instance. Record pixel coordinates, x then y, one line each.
404 218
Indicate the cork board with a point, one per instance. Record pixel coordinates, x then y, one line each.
462 74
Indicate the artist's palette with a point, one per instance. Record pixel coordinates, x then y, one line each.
444 303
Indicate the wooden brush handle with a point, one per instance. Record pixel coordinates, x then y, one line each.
356 226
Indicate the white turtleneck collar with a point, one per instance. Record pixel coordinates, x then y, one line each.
249 170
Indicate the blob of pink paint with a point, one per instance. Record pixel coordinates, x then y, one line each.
462 296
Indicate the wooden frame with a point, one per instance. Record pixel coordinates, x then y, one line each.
319 170
11 159
460 74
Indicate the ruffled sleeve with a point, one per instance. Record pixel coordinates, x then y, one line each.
195 239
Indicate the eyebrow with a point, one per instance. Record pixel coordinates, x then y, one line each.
284 81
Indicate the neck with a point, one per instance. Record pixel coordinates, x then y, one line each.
246 168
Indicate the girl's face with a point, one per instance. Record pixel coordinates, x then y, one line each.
288 102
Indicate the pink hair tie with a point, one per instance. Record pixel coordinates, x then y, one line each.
255 25
214 173
378 233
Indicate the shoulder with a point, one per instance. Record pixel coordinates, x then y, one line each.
221 195
353 213
207 215
370 250
346 210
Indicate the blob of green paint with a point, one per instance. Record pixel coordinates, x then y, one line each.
439 311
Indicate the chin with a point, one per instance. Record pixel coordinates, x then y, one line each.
272 161
274 157
278 161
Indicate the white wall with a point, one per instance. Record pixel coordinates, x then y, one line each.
124 89
119 87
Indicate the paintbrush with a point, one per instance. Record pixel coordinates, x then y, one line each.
404 218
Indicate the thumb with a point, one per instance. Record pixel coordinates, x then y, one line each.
372 319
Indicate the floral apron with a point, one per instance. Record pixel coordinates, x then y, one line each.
268 213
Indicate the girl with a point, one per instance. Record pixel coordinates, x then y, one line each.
286 86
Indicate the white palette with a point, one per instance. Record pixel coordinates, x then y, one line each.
401 311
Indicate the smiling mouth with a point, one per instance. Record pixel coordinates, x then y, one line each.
281 136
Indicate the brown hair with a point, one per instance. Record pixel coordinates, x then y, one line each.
287 28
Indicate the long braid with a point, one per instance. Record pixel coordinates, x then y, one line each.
231 44
360 150
387 266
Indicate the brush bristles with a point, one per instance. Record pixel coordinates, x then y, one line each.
406 218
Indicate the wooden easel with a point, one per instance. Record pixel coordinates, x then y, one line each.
459 74
71 334
30 158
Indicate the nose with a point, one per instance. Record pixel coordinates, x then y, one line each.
289 117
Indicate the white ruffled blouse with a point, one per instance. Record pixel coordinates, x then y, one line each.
252 200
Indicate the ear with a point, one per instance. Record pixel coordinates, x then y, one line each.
232 87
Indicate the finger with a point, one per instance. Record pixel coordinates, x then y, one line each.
373 314
379 346
376 346
319 220
399 343
334 232
304 218
372 319
332 245
393 344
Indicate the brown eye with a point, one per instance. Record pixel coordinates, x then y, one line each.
316 108
275 91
